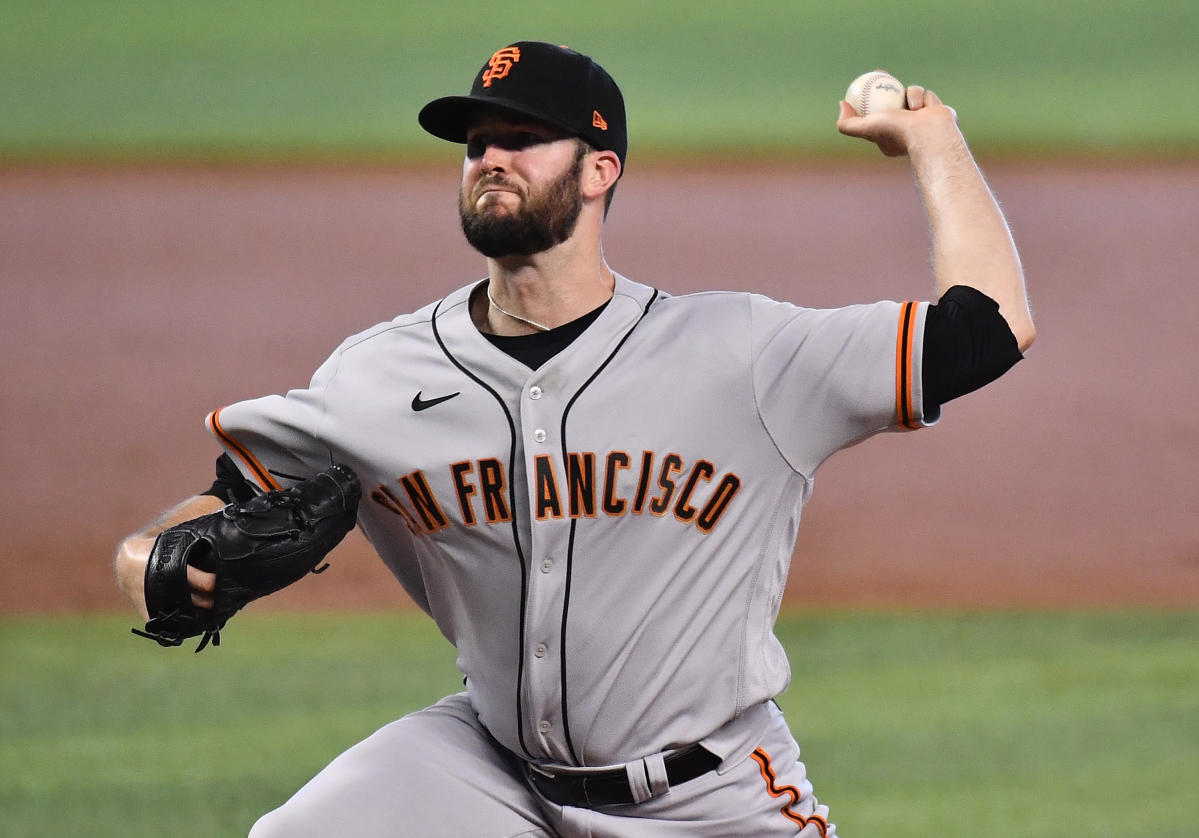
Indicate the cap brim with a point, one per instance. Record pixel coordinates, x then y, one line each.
450 117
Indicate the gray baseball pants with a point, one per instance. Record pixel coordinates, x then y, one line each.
437 773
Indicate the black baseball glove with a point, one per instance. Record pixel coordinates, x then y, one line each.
254 549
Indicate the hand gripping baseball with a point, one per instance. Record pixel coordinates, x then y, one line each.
896 130
254 549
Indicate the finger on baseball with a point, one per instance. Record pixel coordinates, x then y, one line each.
917 97
846 116
932 100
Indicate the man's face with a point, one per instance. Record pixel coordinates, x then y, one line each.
520 187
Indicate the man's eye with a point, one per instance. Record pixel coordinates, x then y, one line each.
475 147
510 141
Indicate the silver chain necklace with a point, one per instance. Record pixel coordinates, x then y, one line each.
525 320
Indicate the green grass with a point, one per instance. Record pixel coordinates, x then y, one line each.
104 734
980 725
292 78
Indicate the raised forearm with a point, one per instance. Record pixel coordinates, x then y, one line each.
971 242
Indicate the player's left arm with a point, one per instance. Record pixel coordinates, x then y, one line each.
133 553
971 242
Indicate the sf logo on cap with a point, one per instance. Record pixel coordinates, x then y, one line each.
500 64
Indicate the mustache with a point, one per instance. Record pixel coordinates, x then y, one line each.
486 182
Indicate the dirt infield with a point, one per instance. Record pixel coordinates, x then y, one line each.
141 299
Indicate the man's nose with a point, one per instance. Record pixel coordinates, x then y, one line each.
495 158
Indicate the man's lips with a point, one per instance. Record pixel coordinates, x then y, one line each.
491 193
493 186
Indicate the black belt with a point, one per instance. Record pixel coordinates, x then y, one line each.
611 788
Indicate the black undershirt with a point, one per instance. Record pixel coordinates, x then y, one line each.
967 344
535 349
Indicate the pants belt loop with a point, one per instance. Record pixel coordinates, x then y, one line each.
647 778
655 769
638 781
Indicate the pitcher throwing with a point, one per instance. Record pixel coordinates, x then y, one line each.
593 487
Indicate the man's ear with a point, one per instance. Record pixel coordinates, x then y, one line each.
600 172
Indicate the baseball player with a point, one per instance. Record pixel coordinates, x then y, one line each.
593 487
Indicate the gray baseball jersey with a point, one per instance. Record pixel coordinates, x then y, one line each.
604 540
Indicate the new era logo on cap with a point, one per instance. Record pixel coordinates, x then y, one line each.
546 82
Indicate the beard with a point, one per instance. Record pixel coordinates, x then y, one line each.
545 219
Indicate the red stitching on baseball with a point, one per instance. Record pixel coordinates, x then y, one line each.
867 87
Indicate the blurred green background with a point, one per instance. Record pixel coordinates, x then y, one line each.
294 79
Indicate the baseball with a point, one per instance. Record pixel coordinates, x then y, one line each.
876 91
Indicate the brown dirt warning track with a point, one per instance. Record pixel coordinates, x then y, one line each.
137 299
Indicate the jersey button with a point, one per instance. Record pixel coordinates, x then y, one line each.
534 393
539 435
544 727
547 565
539 650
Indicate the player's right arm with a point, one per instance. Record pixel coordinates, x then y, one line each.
133 553
972 245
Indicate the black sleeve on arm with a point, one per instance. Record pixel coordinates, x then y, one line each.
967 344
230 486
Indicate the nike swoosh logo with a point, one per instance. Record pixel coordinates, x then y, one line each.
419 404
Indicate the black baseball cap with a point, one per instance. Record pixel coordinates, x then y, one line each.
552 84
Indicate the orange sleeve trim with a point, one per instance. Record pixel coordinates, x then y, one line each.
905 407
264 478
790 792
